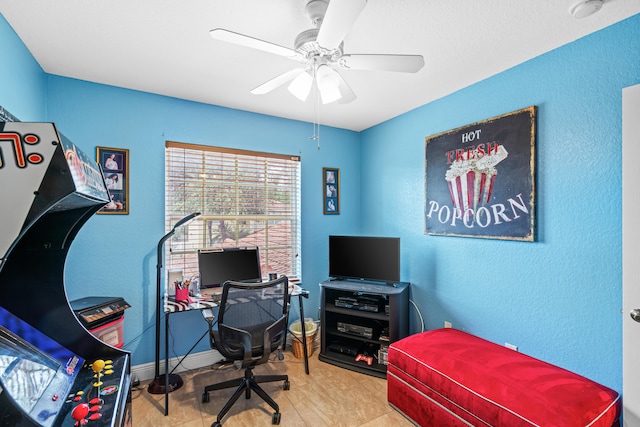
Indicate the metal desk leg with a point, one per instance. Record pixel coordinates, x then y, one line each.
304 336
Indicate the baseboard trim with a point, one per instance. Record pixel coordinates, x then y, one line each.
146 371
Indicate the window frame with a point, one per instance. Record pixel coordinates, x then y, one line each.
281 175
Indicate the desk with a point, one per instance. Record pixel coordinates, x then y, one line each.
173 306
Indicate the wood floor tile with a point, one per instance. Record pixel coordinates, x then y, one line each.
329 396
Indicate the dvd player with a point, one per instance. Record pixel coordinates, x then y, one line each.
360 303
361 331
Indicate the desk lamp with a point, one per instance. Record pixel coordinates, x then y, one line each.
160 383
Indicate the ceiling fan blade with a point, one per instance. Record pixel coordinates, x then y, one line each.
247 41
400 63
278 81
337 22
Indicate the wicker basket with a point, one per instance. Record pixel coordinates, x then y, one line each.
311 330
298 350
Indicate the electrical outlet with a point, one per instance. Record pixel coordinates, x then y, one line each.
447 324
511 346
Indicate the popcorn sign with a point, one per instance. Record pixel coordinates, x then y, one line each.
480 179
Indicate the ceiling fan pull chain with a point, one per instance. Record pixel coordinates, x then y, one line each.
315 101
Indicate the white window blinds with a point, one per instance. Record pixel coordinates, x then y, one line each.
246 199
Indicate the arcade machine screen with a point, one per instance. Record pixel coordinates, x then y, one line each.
25 371
34 368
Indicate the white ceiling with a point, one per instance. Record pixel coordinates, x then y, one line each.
164 47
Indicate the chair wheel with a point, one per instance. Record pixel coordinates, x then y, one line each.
216 424
286 385
276 418
205 397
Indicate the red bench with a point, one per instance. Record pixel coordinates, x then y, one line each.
447 377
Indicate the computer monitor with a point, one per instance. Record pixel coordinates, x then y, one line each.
219 265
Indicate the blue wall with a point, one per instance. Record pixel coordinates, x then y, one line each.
558 299
22 81
116 254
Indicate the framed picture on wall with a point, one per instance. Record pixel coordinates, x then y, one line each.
115 168
480 179
331 190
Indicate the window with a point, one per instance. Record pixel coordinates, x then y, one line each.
246 199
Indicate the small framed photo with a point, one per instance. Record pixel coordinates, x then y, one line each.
331 190
115 168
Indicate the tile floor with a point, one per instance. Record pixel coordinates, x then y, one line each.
328 396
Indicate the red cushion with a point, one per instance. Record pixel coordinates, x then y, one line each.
486 384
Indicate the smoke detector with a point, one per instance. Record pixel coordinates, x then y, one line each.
585 8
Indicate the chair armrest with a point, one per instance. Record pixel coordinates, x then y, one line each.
279 327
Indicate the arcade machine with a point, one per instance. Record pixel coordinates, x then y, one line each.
53 372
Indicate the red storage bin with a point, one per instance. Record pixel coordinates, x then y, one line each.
112 333
103 317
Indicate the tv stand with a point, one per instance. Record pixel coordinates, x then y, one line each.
358 318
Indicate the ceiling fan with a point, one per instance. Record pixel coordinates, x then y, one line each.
320 50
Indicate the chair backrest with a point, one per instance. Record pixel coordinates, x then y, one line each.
252 320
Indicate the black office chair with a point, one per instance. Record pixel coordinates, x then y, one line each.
252 323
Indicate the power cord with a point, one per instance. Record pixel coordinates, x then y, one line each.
137 337
173 350
419 315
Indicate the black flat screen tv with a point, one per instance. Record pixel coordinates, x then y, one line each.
216 266
365 258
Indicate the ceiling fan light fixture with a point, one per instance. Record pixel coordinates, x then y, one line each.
327 77
301 86
328 81
330 95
